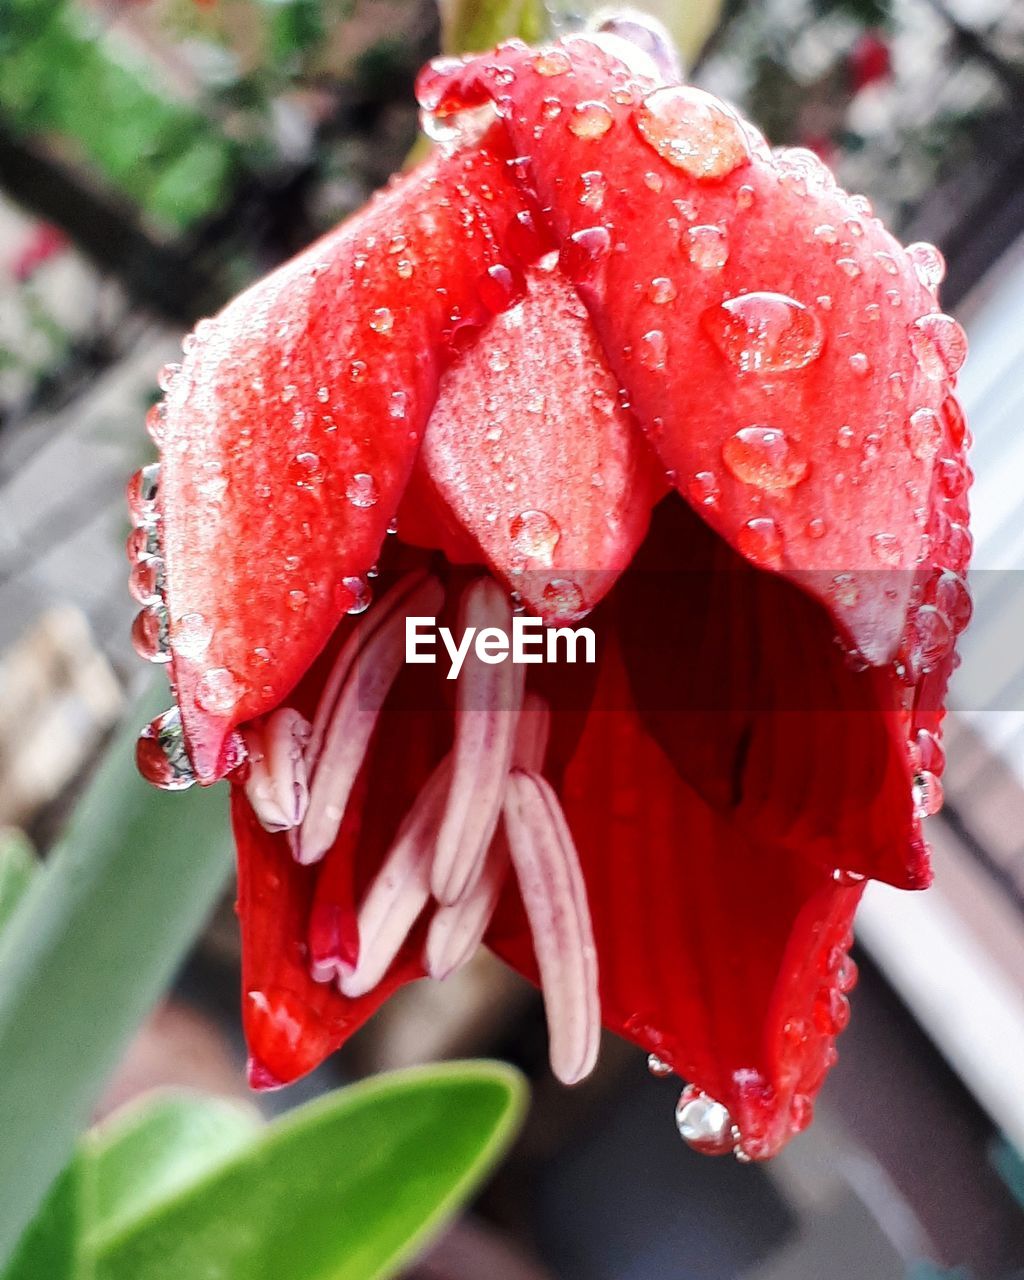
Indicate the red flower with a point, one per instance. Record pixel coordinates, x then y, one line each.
605 352
869 60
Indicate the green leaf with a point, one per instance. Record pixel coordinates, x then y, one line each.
346 1188
470 26
17 867
90 948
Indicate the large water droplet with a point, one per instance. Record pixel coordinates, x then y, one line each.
149 633
361 490
765 332
590 120
708 247
704 1124
141 494
929 639
924 434
552 62
760 540
563 599
146 580
940 346
763 456
535 535
928 263
192 635
657 1067
358 594
217 691
661 291
693 131
160 754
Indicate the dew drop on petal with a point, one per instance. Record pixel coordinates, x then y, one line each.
708 247
593 188
886 549
145 580
193 633
156 421
657 1067
141 494
760 540
661 290
924 434
764 457
590 120
652 349
217 691
849 266
765 332
563 598
704 489
704 1124
929 639
552 62
361 490
693 131
382 321
534 534
939 344
160 753
928 263
860 364
149 634
358 594
926 795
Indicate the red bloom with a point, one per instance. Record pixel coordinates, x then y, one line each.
605 352
869 60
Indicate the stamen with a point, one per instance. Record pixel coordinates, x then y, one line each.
400 889
488 700
555 897
457 931
365 670
277 785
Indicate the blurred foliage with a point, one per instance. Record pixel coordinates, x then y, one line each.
345 1188
17 867
59 78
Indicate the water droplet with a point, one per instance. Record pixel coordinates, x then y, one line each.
661 291
847 878
393 526
745 197
584 249
497 288
217 691
657 1067
708 247
849 266
951 597
160 753
765 332
886 548
652 349
924 434
760 540
307 470
826 233
382 321
564 599
939 344
654 181
590 120
704 1124
358 593
552 62
888 263
764 457
146 580
192 635
927 749
926 795
593 188
534 534
156 421
860 364
141 494
845 436
928 263
844 590
929 639
357 370
704 489
361 490
551 108
693 131
405 268
815 528
149 634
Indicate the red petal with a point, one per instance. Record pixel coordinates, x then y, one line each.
786 420
291 431
720 951
531 452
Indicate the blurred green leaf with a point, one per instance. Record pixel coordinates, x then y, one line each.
89 949
469 26
346 1188
17 867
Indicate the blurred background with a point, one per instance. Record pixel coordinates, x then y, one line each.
155 155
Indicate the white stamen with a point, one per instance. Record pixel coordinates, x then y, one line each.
555 897
365 680
457 931
277 785
488 700
399 891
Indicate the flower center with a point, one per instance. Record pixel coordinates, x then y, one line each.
484 810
